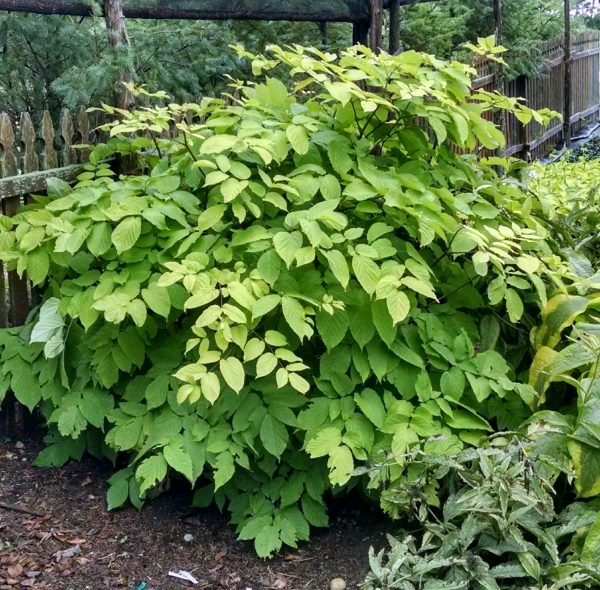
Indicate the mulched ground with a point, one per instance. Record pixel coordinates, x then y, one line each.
78 545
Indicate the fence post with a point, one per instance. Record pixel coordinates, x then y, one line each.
394 43
567 84
376 30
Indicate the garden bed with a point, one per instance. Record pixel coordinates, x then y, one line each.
124 548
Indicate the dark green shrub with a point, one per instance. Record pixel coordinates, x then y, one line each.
298 282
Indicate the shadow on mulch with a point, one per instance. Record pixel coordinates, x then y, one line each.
78 545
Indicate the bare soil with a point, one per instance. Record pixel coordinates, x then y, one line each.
73 543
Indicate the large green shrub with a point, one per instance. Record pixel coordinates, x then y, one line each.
302 280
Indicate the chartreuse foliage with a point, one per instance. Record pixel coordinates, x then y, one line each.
565 371
301 280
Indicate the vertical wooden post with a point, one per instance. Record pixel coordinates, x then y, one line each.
324 28
499 85
567 111
394 44
117 40
360 34
376 29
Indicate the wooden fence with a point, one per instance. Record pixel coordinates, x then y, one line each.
29 154
548 91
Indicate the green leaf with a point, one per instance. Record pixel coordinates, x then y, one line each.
338 266
253 526
211 387
299 383
164 184
156 392
366 271
265 305
286 245
560 312
464 420
157 299
126 234
267 541
341 465
127 435
591 547
224 469
218 143
99 241
452 383
403 438
233 373
371 406
150 472
95 405
117 494
514 305
137 310
266 364
398 305
269 266
324 442
314 511
178 459
298 137
274 436
293 312
332 327
38 265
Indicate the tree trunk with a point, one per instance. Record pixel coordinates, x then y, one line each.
117 41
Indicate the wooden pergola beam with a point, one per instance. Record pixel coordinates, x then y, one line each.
82 8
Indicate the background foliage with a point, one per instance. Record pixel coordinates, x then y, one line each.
187 58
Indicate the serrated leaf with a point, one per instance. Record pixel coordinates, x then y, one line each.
371 406
224 469
269 266
514 305
332 327
126 234
266 364
211 387
274 436
157 299
298 137
367 272
324 442
265 305
338 266
178 459
341 465
398 305
267 541
286 245
117 494
150 472
233 373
